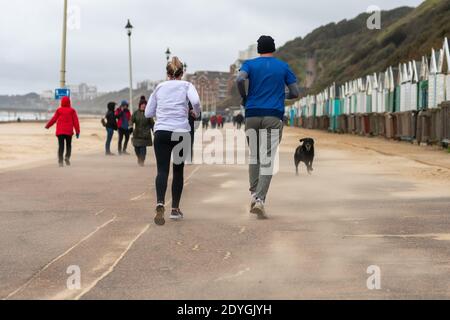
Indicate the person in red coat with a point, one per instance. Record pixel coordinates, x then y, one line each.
123 116
66 120
219 121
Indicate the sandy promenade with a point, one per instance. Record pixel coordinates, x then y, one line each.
25 145
369 202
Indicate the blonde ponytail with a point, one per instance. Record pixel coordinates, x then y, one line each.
175 68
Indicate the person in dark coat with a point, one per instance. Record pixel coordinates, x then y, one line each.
194 124
239 120
110 123
142 132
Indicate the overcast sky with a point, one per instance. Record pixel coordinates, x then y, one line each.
206 34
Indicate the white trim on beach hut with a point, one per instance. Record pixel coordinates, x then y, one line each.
436 84
404 87
380 94
369 94
414 86
432 81
361 100
447 71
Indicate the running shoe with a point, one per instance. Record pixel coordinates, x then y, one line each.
159 217
259 209
176 215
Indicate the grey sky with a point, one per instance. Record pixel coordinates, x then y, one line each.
206 34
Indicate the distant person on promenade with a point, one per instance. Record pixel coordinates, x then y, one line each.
205 122
193 123
239 121
169 103
264 111
123 116
142 132
67 122
213 121
110 123
220 121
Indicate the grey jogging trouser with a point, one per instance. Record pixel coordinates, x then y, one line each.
264 136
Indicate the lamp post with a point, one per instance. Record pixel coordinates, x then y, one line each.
168 53
184 70
62 82
129 28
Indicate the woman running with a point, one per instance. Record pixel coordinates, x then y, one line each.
170 104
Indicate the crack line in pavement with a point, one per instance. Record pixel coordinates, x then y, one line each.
240 273
130 245
138 197
58 258
100 212
434 236
111 269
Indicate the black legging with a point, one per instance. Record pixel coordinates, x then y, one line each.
164 147
123 133
64 139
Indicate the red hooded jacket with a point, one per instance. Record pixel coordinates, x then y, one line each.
66 119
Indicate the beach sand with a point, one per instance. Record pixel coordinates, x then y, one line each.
26 145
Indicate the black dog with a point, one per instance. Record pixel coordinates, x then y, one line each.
305 153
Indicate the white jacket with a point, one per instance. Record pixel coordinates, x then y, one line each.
170 104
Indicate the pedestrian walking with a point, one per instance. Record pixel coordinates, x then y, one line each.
205 122
67 122
239 121
264 111
220 121
169 103
110 123
142 132
194 124
123 116
213 121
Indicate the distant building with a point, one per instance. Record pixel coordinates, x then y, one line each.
212 86
83 92
47 95
250 53
148 85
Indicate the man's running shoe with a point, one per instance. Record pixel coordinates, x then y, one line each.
253 201
259 209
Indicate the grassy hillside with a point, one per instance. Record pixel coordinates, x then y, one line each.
346 50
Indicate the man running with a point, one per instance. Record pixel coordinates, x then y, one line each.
264 111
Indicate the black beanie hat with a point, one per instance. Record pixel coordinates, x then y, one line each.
266 44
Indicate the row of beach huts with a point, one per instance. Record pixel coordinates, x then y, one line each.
409 102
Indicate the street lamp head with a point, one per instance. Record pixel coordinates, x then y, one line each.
168 53
129 27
